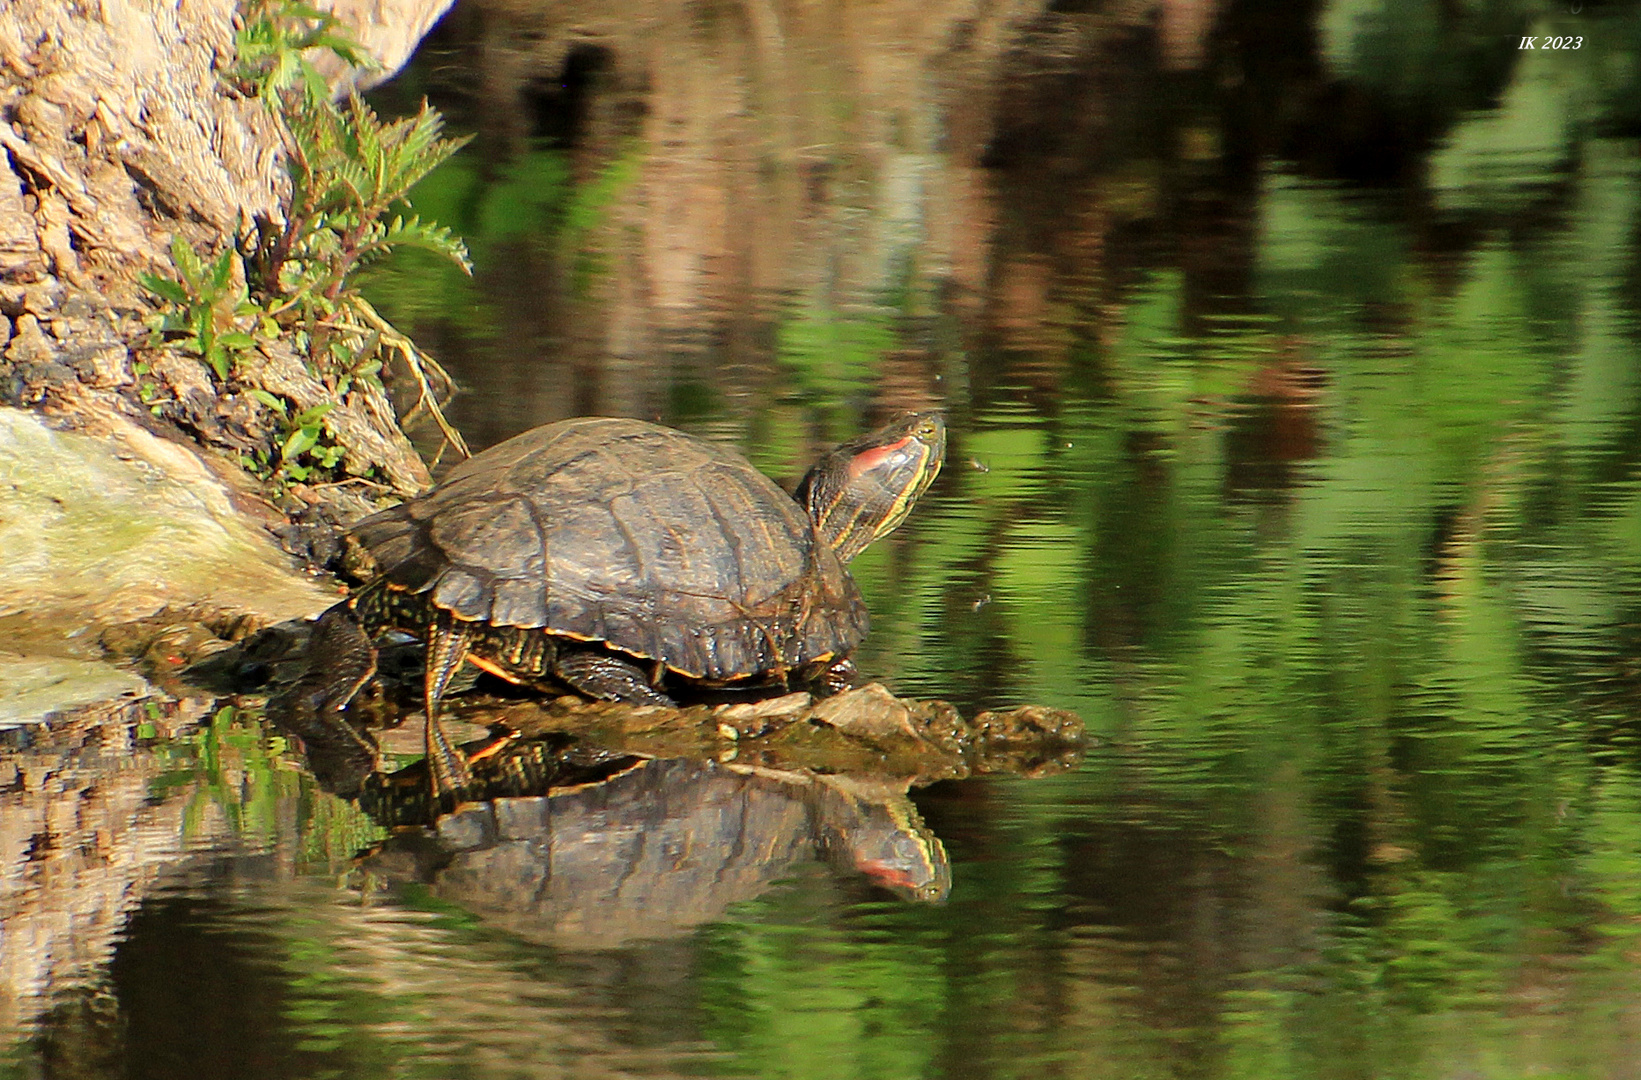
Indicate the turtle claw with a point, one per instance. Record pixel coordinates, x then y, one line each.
838 677
446 768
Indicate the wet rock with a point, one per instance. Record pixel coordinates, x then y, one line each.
939 723
1028 723
1030 740
752 718
869 712
864 731
103 529
34 688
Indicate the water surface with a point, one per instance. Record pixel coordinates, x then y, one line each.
1290 358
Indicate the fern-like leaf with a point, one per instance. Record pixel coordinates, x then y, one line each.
414 232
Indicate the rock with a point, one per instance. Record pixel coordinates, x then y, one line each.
363 421
865 731
105 529
102 366
521 818
29 344
387 32
868 712
188 380
745 718
19 252
32 688
1029 723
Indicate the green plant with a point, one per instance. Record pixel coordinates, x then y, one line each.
348 169
302 436
209 307
291 275
272 41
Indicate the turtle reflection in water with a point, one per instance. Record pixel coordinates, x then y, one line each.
628 561
662 847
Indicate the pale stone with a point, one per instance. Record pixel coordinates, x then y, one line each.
34 687
100 530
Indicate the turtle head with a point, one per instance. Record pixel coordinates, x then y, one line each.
864 488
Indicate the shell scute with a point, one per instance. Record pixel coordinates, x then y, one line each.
519 602
463 593
498 535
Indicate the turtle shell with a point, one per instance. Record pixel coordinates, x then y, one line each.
634 535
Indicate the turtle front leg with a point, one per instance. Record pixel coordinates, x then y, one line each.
341 659
446 649
606 677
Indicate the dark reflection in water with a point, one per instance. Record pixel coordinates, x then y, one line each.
231 934
200 997
1290 353
663 847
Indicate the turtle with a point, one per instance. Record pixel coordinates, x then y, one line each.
625 560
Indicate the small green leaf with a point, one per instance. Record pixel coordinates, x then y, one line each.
221 270
184 259
310 418
165 288
313 82
270 401
299 442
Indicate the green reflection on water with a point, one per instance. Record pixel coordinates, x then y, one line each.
1344 578
1369 802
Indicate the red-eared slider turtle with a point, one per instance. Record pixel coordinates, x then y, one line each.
627 560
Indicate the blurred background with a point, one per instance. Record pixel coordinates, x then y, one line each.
1292 358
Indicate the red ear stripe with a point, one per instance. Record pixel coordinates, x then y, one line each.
879 870
871 459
